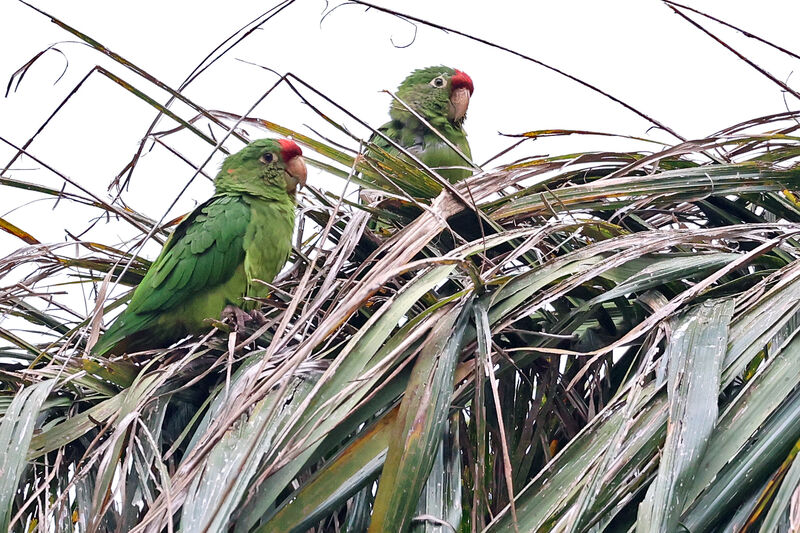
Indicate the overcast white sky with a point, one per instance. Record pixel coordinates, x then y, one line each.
637 50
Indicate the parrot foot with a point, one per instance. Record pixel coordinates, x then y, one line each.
234 314
258 317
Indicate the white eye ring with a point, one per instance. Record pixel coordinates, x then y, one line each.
266 158
438 82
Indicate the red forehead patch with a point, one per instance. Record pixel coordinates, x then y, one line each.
289 149
461 79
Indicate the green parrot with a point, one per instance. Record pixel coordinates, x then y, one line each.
213 258
441 96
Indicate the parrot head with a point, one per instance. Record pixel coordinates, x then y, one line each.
435 92
269 168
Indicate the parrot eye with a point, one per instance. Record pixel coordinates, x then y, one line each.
266 158
438 82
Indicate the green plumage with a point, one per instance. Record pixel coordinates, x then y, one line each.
212 259
420 92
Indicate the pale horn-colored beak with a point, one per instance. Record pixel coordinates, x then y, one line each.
294 164
296 168
459 102
461 90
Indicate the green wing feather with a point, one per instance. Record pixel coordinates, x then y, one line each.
427 146
205 251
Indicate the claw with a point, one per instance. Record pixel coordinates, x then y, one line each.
258 317
235 315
